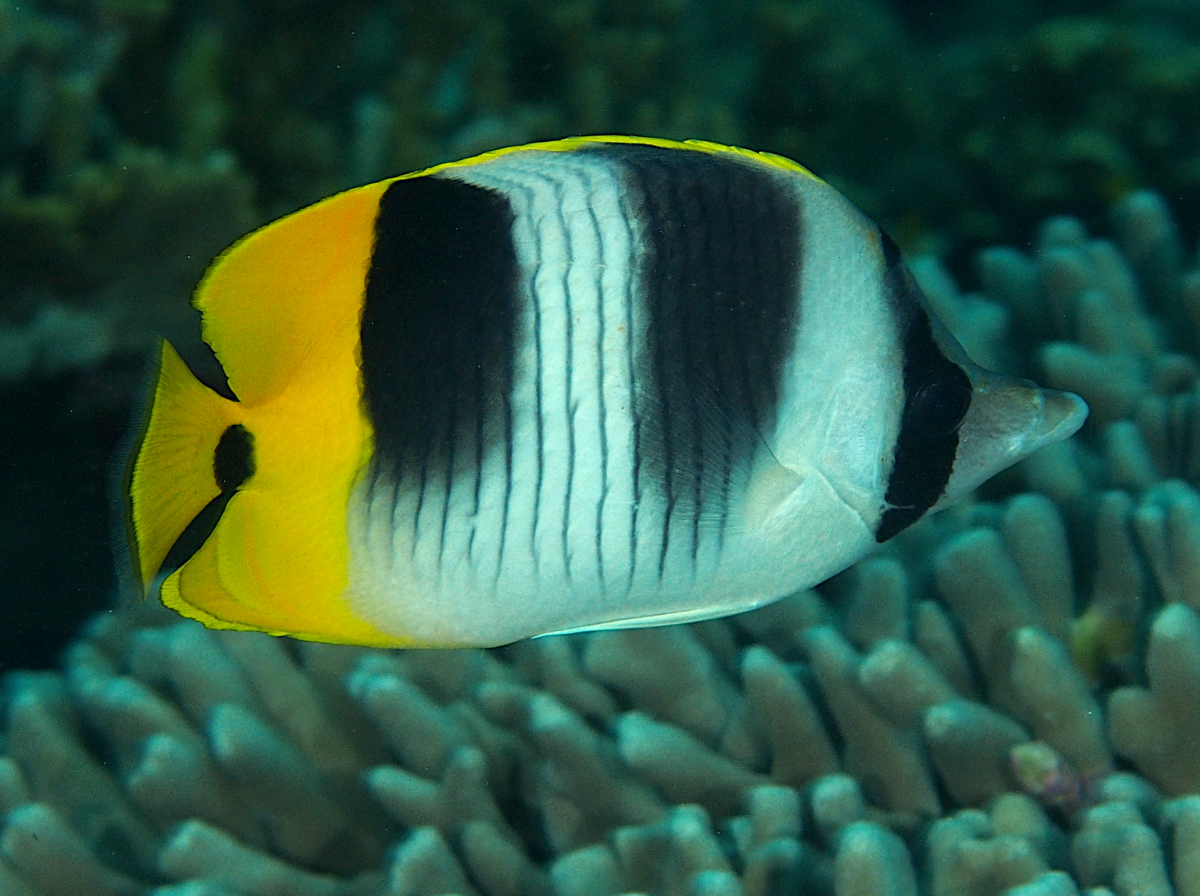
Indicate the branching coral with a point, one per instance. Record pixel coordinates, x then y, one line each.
155 121
1006 699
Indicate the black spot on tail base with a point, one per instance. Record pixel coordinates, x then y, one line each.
233 465
233 461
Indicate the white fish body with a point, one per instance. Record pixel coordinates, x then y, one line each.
592 383
594 538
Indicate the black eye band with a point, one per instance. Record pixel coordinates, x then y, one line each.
938 395
938 407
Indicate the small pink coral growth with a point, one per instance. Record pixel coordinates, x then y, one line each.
1048 777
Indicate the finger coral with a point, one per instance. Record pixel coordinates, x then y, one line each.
1005 699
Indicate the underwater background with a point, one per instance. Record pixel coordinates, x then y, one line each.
1006 699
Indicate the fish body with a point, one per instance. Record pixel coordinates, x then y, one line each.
592 383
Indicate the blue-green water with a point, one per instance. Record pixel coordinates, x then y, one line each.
138 139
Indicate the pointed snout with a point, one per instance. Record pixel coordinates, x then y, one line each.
1009 419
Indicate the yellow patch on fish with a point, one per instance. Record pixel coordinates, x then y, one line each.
598 382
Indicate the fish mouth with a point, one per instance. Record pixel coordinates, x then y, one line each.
1008 420
1063 414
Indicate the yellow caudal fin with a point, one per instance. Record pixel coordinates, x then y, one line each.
171 477
276 557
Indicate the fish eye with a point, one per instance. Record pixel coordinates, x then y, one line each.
937 408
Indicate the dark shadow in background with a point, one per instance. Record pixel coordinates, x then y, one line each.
58 437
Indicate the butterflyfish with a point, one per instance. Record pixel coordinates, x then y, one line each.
592 383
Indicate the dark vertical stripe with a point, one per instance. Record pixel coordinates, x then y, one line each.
509 436
715 208
719 279
697 326
508 467
438 329
937 395
451 449
569 359
603 412
539 379
634 411
478 412
662 307
423 480
536 301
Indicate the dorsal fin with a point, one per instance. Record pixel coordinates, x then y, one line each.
288 291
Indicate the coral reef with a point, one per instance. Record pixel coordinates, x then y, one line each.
139 138
1005 699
